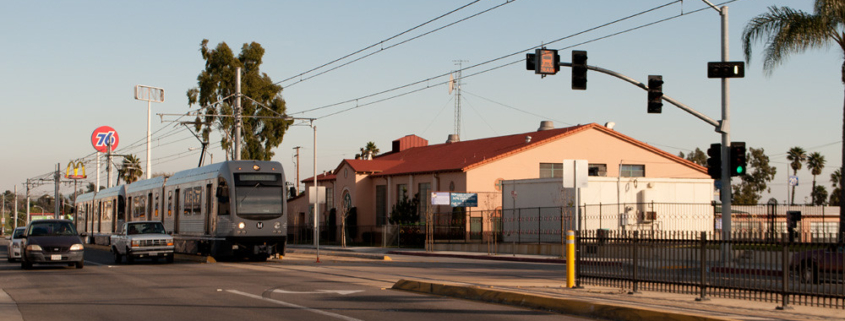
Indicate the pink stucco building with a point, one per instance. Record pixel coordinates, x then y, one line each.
373 186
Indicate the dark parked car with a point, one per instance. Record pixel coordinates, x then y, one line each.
52 242
821 264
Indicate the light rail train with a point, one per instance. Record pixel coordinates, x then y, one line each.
232 209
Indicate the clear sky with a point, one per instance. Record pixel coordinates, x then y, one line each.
69 67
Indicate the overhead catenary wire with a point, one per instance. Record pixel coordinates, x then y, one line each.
437 84
375 45
430 79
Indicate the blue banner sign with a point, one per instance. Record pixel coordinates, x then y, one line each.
464 200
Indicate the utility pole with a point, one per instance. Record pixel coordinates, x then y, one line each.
27 201
238 123
297 169
108 165
57 179
16 206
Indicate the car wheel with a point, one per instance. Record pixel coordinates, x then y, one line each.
25 265
117 256
129 258
80 264
170 258
809 273
11 259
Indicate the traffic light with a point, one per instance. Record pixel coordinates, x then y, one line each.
726 69
714 163
738 161
579 70
531 62
655 94
543 62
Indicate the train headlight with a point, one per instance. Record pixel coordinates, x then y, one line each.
278 225
255 167
241 225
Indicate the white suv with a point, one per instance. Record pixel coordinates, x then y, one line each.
15 242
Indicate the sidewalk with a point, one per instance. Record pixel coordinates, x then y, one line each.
591 301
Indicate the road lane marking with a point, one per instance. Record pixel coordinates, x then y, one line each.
341 292
291 305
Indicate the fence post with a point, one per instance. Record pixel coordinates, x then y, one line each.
785 271
519 226
635 286
703 257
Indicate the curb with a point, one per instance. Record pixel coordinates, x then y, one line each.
481 257
381 257
560 305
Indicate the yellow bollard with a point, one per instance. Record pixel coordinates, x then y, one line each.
570 259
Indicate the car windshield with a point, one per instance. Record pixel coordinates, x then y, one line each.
51 229
18 233
146 228
259 200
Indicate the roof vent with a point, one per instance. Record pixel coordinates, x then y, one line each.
609 125
546 125
453 138
527 139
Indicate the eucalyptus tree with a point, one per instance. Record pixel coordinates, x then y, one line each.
785 31
760 173
262 105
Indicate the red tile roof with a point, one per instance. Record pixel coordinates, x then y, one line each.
465 155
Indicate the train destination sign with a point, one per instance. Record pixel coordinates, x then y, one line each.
102 137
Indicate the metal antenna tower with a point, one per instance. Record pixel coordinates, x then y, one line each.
456 84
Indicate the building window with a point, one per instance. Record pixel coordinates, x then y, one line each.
499 184
401 192
597 170
549 170
381 204
632 171
329 197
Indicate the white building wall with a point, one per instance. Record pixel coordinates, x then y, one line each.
539 209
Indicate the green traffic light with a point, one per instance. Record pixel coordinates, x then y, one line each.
739 170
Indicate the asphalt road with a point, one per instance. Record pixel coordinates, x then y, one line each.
295 288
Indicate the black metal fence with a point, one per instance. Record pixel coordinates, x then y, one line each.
750 266
403 236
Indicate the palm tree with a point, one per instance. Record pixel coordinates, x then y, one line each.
367 152
836 181
796 155
785 31
131 169
815 163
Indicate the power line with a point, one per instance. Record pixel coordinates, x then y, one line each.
356 100
374 45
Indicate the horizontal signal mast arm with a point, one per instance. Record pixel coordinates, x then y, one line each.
668 99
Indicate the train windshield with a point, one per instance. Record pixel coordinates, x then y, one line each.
259 196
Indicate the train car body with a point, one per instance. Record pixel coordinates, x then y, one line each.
144 200
99 213
230 209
